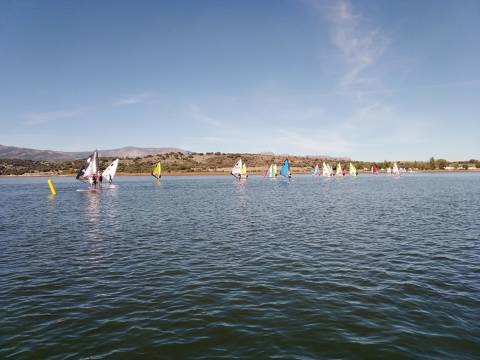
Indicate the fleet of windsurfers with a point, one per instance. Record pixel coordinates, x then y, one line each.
238 171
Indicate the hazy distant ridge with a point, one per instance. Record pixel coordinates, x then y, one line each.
13 152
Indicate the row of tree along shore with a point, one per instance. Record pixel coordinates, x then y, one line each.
221 163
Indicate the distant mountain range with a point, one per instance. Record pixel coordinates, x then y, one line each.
13 152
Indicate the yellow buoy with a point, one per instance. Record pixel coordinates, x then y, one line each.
52 188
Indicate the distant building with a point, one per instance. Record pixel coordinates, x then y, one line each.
449 167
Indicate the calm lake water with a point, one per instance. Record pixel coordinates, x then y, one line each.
367 267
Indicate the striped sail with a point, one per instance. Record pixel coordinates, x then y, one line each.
271 171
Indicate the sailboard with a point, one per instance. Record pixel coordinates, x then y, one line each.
327 170
109 173
352 170
237 169
374 169
244 171
89 170
395 170
157 171
316 170
285 170
339 171
271 171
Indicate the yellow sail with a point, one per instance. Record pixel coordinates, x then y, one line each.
353 170
339 169
244 170
157 170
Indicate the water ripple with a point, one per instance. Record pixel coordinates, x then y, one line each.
372 267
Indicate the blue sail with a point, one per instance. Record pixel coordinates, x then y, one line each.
285 168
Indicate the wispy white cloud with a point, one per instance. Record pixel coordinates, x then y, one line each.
207 139
36 118
303 142
360 45
197 114
134 99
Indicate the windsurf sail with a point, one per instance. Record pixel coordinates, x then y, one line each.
352 170
89 168
315 170
271 171
330 169
389 170
395 170
237 168
244 170
110 171
285 170
374 169
339 170
157 170
326 170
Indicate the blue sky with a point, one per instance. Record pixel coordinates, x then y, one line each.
372 80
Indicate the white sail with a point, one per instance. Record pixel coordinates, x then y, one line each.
237 169
110 171
325 170
89 168
395 170
270 171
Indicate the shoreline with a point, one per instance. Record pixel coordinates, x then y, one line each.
219 173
